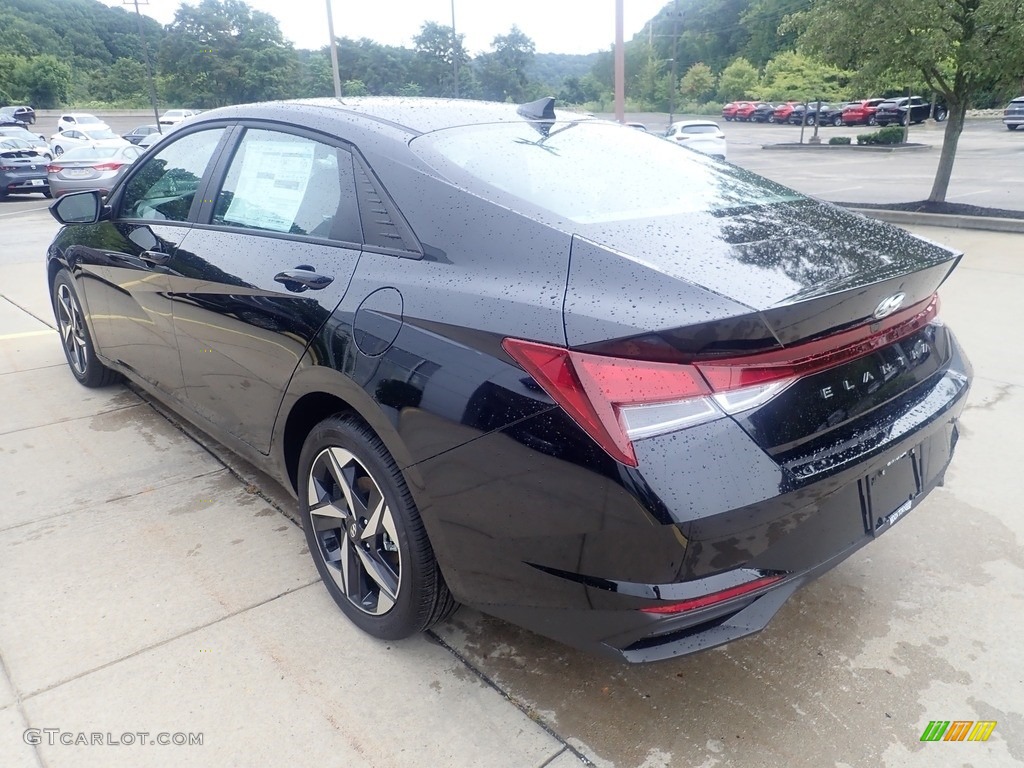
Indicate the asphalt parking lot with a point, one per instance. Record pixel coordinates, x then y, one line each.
149 585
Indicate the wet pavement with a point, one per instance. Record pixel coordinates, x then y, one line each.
149 582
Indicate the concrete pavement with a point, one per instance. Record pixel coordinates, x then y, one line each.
148 586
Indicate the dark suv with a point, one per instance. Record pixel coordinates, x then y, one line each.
1013 115
20 114
903 110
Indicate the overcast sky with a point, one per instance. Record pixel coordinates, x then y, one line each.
555 26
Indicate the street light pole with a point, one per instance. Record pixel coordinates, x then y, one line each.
620 66
455 52
334 52
149 65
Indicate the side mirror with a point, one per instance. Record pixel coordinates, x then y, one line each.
79 208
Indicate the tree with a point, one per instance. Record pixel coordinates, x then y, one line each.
739 80
791 75
958 47
43 80
698 83
437 49
502 73
223 52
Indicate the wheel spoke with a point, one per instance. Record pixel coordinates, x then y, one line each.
380 573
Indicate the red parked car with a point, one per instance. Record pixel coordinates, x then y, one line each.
783 111
861 112
729 110
745 110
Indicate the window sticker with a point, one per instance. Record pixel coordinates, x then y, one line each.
271 184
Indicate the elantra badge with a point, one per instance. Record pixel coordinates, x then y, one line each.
887 306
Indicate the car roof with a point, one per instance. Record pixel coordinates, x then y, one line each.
688 123
412 115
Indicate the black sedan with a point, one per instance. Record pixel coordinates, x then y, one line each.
821 113
546 365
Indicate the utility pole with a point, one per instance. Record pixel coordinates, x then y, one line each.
675 57
149 65
620 65
334 52
455 52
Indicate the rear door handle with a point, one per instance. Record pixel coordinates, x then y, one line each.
155 257
300 279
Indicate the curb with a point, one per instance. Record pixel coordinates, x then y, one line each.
850 147
955 221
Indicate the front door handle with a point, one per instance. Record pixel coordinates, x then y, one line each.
155 257
299 280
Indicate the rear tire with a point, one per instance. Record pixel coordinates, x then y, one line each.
75 337
1011 127
940 115
365 534
872 120
58 150
837 121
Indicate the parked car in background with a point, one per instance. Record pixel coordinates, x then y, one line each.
746 110
20 132
823 114
21 170
42 152
903 110
699 135
1013 115
763 113
175 116
21 114
71 138
138 134
861 112
615 392
729 110
80 121
90 168
784 111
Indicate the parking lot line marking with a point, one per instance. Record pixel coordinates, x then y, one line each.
26 334
965 194
27 210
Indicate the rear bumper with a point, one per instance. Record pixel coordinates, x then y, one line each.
529 528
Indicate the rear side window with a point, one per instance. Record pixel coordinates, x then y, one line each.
590 171
279 182
166 184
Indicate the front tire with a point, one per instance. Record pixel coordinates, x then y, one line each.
75 337
58 150
1011 127
365 534
940 115
837 121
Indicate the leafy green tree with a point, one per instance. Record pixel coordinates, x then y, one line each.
43 80
698 83
739 80
223 52
437 50
579 90
791 75
957 47
122 82
502 72
354 88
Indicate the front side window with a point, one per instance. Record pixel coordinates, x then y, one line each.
166 183
279 182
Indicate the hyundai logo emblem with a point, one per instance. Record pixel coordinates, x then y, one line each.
887 306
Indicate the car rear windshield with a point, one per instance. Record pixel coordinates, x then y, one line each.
89 153
591 171
699 129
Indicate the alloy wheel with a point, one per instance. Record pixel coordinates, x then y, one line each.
355 531
71 327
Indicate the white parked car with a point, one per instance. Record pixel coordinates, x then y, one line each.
700 135
175 116
72 138
80 121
